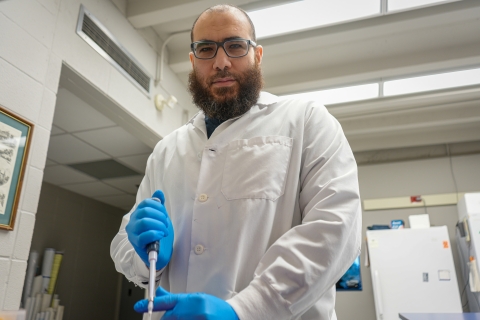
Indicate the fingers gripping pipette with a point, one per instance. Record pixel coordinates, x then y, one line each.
153 251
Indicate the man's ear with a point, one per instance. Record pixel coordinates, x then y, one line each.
192 59
258 54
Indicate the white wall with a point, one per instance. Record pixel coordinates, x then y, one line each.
36 37
421 177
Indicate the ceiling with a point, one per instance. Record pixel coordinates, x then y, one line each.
81 134
383 46
427 40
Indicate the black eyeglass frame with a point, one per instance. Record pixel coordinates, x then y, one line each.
250 43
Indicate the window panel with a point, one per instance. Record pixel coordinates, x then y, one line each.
339 95
307 14
432 82
394 5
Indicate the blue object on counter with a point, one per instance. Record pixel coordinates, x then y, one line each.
378 227
397 224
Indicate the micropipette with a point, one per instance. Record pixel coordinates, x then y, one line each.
152 250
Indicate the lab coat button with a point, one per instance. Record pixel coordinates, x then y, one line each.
199 156
199 249
203 197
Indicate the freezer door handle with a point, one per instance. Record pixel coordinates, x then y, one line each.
379 295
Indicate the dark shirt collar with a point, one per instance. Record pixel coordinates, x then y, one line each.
264 100
211 124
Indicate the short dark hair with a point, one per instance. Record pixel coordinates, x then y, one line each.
225 8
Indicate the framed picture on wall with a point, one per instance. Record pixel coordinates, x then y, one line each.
15 136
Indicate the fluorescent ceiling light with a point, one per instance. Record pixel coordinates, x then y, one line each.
432 82
339 95
394 5
308 14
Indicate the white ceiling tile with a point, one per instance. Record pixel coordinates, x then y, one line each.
115 141
56 130
119 201
127 184
138 162
73 114
67 149
50 163
60 175
93 189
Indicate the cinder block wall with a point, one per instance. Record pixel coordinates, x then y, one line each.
36 37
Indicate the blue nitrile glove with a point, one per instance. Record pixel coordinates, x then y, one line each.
148 223
179 306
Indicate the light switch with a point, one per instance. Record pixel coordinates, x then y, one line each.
444 275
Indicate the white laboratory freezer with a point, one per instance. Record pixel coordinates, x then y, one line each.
468 242
412 272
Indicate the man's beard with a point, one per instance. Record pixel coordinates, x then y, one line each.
227 105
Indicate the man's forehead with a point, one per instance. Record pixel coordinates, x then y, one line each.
227 38
221 25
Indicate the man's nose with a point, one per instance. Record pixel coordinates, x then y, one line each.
222 61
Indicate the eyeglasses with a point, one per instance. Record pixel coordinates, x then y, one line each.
233 48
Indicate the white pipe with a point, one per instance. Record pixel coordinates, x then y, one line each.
162 56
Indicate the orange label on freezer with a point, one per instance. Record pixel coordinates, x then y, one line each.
445 244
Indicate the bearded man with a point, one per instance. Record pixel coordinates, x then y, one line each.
262 194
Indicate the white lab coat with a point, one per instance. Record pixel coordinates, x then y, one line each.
266 212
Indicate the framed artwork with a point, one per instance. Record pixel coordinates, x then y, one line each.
15 136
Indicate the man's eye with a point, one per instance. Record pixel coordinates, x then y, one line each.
236 46
205 49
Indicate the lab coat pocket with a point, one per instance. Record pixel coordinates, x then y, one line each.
256 168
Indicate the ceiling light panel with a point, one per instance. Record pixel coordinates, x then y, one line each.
432 82
339 95
395 5
309 14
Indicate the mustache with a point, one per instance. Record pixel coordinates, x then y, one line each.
222 74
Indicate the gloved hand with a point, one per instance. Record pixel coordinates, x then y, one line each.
148 223
179 306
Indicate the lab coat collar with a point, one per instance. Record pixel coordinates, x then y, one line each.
267 98
198 121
